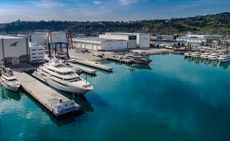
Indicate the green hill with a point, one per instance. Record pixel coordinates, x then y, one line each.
215 23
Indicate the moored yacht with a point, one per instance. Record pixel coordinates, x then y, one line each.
138 59
62 77
9 81
188 54
204 55
224 58
213 57
195 54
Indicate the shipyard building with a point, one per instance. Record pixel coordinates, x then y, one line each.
13 50
99 44
134 40
114 41
199 39
163 38
36 52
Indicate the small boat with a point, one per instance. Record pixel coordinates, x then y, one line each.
188 54
224 58
9 81
138 59
60 107
195 54
213 57
204 55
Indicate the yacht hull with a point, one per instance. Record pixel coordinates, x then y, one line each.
60 85
224 60
9 87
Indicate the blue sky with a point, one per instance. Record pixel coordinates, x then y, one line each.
116 10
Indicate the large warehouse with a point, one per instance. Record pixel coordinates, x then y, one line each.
130 39
13 50
135 40
99 44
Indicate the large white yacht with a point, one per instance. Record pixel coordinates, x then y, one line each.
62 77
9 81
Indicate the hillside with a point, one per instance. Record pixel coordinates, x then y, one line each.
216 23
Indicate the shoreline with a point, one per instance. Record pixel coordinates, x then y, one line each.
91 54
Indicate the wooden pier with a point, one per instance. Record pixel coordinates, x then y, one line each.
92 64
46 95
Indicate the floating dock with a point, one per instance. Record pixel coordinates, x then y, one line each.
52 100
92 64
84 69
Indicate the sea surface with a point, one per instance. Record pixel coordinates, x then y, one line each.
172 99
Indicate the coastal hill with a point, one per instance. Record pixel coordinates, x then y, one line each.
215 23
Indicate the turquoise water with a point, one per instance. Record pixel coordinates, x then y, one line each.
172 99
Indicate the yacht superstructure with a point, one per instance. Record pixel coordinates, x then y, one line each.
62 77
9 81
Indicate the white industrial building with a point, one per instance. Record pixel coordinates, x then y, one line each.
207 37
43 38
36 53
99 44
13 50
134 40
143 40
130 39
199 39
163 38
191 40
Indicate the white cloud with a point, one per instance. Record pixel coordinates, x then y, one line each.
46 4
96 2
128 2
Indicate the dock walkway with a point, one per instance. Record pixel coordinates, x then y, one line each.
92 64
52 100
84 69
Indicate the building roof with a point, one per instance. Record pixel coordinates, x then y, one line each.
9 37
35 45
94 39
123 33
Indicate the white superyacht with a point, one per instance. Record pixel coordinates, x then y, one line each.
62 77
9 81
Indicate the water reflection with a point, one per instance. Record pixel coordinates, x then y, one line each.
224 65
81 100
140 66
207 62
59 121
7 94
